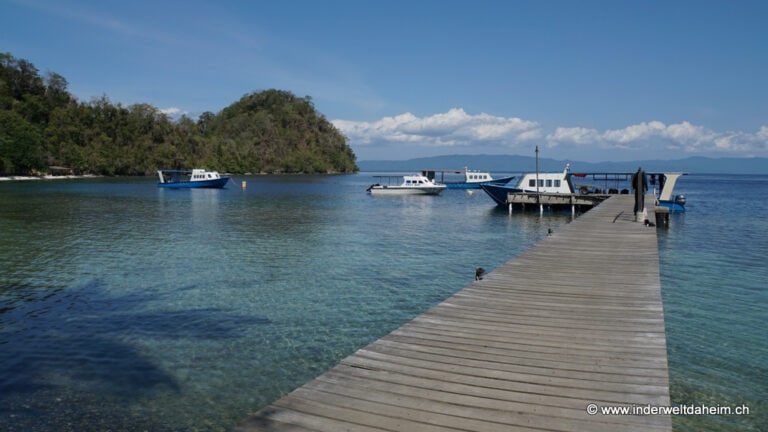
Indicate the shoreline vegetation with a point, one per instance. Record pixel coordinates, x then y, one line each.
45 129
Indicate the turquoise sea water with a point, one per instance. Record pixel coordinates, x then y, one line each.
128 307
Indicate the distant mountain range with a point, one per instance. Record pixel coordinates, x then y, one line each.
513 164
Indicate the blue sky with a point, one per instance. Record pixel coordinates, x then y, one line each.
583 80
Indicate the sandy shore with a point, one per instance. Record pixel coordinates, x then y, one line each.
46 177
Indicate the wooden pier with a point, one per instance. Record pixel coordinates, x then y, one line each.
575 320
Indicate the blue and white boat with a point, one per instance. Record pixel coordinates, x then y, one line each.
472 179
562 184
548 183
666 186
194 178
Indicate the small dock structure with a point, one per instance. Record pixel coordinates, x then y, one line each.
546 342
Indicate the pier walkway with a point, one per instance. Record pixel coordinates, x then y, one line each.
575 320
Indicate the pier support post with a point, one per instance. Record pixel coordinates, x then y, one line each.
662 217
510 208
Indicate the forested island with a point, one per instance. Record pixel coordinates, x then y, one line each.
273 131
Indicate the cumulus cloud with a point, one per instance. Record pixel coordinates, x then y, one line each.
171 111
452 128
634 132
459 128
683 136
575 135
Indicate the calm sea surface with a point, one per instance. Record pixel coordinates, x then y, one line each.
128 307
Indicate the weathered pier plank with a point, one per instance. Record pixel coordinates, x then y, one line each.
575 320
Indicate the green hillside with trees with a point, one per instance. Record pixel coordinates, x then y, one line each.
272 131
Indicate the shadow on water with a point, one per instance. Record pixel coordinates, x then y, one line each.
71 359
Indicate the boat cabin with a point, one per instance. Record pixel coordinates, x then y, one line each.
201 174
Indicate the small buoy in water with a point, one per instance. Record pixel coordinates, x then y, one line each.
243 185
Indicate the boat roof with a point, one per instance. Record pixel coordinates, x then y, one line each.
443 171
603 173
184 171
399 175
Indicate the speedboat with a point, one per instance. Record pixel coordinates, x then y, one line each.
666 183
411 185
195 178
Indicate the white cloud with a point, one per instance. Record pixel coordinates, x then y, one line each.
573 135
173 112
684 136
458 128
452 128
634 132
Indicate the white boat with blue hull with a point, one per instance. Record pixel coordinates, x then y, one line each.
472 179
564 184
548 183
194 178
666 185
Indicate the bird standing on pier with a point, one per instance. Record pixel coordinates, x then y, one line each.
479 272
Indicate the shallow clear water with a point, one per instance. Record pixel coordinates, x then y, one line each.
128 307
715 289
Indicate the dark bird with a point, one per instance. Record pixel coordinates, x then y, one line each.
649 223
479 272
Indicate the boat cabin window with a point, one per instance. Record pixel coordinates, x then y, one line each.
557 183
549 182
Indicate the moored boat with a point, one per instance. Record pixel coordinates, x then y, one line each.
194 178
411 185
472 179
548 183
551 186
666 183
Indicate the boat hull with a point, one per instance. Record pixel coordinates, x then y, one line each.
463 185
498 192
397 190
673 206
209 184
